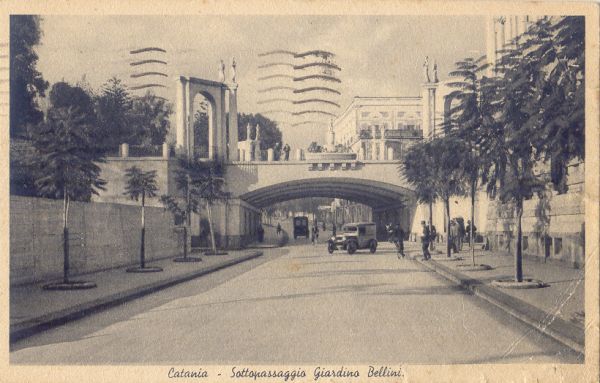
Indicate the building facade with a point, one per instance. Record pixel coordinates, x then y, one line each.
379 128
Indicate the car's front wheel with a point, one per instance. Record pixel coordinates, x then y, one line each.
352 246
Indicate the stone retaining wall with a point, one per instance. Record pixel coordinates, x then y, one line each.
102 236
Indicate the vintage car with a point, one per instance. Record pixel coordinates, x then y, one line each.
354 236
301 227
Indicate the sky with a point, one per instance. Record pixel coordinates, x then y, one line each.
379 55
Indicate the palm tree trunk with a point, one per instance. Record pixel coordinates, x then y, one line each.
447 208
66 265
431 243
210 226
143 236
518 253
472 231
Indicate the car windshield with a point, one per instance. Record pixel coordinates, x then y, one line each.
349 228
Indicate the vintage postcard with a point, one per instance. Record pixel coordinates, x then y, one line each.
299 191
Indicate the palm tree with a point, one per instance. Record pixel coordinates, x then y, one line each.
509 140
203 183
466 120
417 167
446 174
182 213
209 188
64 163
141 184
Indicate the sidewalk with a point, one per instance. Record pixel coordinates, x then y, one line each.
556 310
33 309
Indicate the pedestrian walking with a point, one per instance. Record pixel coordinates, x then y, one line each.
313 235
454 235
399 240
278 229
286 152
334 230
425 237
468 230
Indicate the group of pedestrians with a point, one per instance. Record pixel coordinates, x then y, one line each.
282 153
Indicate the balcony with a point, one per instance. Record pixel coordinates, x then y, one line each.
403 133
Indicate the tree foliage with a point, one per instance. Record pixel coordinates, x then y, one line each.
150 119
66 156
26 82
270 134
140 184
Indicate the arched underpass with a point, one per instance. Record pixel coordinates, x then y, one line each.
389 203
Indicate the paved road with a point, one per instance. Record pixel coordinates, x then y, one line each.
300 305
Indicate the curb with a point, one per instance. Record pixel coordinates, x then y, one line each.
36 325
560 330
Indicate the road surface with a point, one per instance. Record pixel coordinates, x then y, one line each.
299 305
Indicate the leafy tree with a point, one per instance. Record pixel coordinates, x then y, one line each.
270 134
510 139
150 119
201 130
209 187
113 107
26 82
447 175
555 49
466 120
141 184
182 210
418 166
64 162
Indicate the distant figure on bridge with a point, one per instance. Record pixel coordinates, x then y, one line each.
277 151
278 229
261 233
286 152
425 238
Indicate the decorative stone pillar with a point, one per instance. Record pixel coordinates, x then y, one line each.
124 150
270 155
181 113
165 150
233 123
428 97
298 154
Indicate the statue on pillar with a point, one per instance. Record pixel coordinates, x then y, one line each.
426 70
435 72
248 132
222 72
257 132
233 73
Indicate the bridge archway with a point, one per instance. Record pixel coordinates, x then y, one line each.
389 203
221 145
